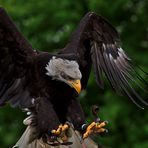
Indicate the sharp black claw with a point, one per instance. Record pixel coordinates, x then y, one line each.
106 122
106 130
98 120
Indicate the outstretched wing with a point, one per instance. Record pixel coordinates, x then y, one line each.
96 42
15 60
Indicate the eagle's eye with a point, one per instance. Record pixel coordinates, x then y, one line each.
66 77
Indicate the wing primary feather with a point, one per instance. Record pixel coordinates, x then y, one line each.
101 62
123 84
132 79
104 66
129 95
129 86
134 92
115 79
114 74
97 68
112 78
138 75
126 68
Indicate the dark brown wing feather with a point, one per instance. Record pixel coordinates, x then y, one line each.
96 41
15 58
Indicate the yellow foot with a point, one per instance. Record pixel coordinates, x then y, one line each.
60 130
95 127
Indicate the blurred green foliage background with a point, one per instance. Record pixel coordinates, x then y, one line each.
48 24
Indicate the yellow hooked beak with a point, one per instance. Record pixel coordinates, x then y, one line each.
76 84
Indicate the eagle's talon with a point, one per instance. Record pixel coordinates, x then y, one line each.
95 127
60 130
100 125
100 130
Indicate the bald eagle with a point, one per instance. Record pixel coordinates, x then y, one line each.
47 85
